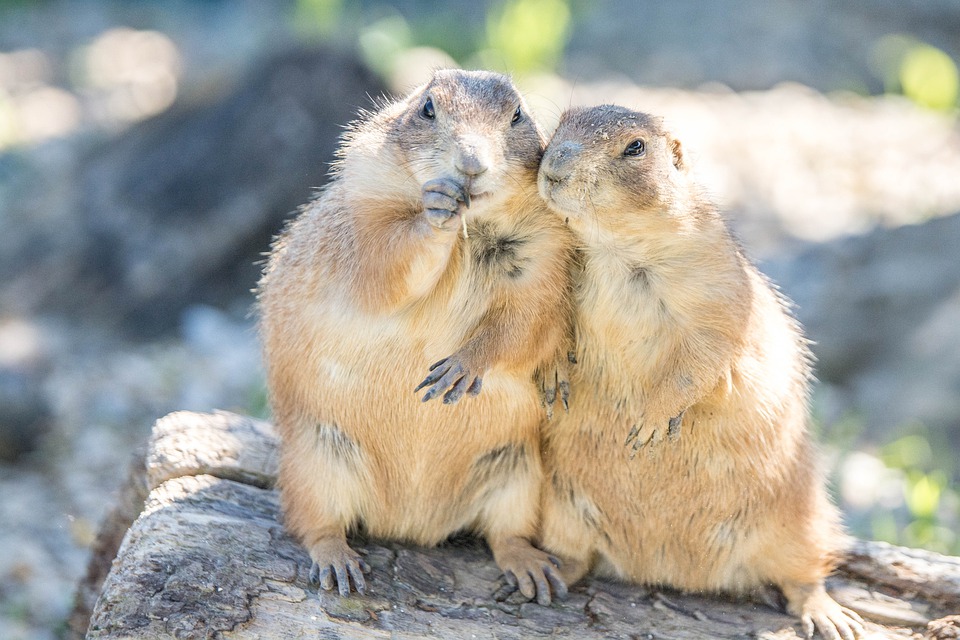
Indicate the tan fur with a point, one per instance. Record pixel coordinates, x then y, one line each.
362 293
672 320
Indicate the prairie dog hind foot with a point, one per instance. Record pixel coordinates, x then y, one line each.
336 564
534 573
818 611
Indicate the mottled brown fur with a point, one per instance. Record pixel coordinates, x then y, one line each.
368 286
675 325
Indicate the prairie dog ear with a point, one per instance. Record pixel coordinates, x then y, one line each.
677 150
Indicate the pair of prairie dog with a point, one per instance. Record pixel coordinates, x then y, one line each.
439 239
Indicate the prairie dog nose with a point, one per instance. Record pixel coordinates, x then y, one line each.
472 156
558 163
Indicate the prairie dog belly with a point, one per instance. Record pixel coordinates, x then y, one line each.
436 469
424 469
677 515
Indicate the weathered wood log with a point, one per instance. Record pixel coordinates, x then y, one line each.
208 557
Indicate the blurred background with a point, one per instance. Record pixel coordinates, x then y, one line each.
149 150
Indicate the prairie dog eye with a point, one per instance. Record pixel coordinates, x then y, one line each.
517 116
635 148
427 111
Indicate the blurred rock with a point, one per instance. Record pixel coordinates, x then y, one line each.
884 311
179 208
24 412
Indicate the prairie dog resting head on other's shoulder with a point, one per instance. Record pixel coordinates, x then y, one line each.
678 331
610 170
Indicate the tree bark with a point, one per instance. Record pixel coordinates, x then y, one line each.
205 555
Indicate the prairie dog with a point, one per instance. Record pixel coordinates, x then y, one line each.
678 333
429 245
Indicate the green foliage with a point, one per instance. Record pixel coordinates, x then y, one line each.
316 19
931 502
918 70
521 36
382 41
929 77
916 501
528 35
258 403
841 434
5 4
909 452
449 33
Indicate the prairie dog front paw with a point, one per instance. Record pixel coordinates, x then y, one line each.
442 199
453 375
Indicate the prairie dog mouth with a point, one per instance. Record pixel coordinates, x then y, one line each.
557 201
559 209
472 192
472 199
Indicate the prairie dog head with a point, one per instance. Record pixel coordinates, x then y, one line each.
469 126
610 170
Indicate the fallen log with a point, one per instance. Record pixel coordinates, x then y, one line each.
204 554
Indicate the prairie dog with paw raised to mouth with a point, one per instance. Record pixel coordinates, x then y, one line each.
678 333
430 244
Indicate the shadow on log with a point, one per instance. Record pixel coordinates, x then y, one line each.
204 555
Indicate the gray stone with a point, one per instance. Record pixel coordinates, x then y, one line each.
25 414
883 310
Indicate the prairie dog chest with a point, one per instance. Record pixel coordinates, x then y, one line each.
496 259
499 252
621 313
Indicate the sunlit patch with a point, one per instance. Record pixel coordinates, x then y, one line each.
20 342
25 67
866 482
130 75
123 76
46 112
30 109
